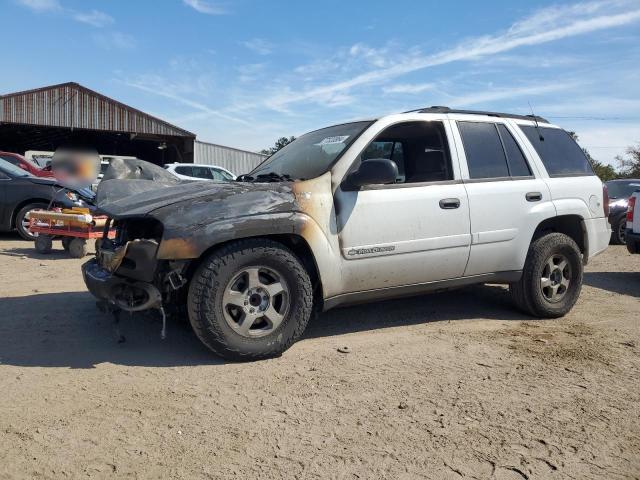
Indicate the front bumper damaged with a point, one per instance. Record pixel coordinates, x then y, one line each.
124 293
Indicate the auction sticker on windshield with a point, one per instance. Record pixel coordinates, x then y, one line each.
333 140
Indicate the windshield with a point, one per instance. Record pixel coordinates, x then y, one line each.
312 154
622 189
12 169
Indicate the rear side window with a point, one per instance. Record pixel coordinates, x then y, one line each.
188 171
483 149
518 166
560 154
202 172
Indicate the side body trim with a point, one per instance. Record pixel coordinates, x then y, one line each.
417 289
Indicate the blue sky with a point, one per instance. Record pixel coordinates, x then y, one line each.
242 73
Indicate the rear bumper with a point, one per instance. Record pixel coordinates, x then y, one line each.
633 241
598 232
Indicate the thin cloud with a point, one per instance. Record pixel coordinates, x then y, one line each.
504 93
259 46
409 88
544 26
206 7
40 6
95 18
167 92
115 41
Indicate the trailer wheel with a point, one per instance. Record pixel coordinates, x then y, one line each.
43 244
78 247
66 241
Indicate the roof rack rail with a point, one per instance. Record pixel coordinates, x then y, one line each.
441 109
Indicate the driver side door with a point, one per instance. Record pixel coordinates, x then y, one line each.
414 231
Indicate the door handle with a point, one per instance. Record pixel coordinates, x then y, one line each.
449 203
533 196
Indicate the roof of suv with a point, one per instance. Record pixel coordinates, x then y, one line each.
438 109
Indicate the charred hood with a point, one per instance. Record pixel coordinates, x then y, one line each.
136 188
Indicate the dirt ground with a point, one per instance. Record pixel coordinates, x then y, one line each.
451 385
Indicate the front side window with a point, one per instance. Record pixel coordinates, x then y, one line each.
559 153
312 154
483 148
419 149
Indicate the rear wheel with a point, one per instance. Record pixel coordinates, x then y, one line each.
22 223
250 300
552 277
619 231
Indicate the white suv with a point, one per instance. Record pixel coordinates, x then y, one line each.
362 211
192 171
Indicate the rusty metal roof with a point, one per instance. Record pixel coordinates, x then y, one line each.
70 105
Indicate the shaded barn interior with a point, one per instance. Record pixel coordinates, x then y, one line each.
72 115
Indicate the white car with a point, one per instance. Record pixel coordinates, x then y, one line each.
192 171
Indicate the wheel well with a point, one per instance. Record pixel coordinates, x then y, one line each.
24 203
295 243
570 225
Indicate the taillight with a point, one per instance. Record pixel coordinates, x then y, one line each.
605 199
630 208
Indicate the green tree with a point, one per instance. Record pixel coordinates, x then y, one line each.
603 171
630 162
280 143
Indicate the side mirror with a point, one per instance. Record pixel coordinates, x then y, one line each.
376 171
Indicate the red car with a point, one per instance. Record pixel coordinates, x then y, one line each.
27 165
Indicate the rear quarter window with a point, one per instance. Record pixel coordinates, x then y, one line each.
560 154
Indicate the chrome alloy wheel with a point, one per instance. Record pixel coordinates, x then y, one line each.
255 301
556 278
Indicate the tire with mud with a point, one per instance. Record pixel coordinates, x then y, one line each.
250 300
552 277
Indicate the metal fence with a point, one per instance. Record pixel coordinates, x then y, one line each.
234 160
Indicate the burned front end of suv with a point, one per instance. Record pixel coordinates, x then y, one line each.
163 226
126 273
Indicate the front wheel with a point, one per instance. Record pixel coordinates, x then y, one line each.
552 277
251 299
22 222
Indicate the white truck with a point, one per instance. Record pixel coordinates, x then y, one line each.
363 211
633 223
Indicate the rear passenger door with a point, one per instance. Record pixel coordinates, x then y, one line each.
507 199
